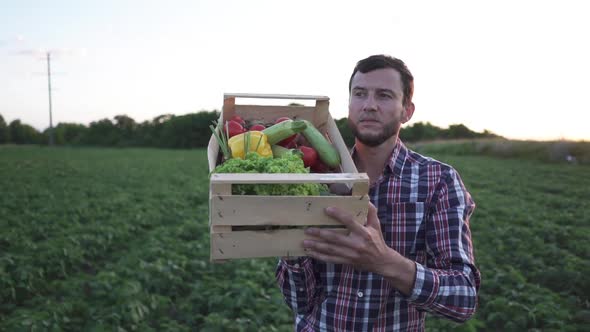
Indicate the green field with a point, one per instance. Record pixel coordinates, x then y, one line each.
117 240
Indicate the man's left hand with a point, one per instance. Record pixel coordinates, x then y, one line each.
364 247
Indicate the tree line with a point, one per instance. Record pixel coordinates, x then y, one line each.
181 131
421 131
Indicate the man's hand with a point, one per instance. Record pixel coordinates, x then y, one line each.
364 248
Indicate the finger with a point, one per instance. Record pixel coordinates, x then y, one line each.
372 218
327 258
330 249
345 218
331 236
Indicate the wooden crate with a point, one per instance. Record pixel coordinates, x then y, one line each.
245 226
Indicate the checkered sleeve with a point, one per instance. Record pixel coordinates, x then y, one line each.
298 283
448 284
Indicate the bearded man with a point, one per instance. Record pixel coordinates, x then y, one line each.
415 253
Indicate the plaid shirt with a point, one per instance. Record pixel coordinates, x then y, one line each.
424 212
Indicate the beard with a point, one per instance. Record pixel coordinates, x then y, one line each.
375 138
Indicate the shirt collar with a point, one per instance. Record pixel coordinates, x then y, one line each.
396 161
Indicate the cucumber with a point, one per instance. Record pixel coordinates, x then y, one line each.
279 151
327 153
282 130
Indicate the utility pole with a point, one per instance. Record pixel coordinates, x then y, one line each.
51 138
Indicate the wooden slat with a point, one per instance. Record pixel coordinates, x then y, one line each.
269 113
220 229
249 244
229 108
360 188
252 178
220 188
274 96
242 210
348 165
217 190
212 152
321 115
213 147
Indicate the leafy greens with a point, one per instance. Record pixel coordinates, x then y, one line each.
253 163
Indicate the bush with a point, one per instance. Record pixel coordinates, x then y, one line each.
20 133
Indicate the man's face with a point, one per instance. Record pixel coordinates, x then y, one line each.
375 109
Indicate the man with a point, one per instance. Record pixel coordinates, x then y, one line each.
414 255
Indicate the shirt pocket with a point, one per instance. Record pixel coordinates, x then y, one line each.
403 228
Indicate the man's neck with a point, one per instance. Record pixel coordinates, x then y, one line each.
372 159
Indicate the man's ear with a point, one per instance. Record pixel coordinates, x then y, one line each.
408 112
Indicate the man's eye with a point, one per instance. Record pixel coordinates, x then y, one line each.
385 95
358 93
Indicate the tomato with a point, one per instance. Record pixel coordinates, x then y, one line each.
310 156
289 141
258 127
320 167
238 119
281 119
234 128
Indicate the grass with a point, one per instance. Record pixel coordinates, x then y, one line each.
530 232
101 239
572 152
117 239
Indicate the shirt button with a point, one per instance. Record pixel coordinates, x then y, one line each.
360 294
301 289
296 266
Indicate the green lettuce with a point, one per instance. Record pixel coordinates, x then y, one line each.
288 163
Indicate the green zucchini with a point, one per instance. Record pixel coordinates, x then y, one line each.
279 151
282 130
327 153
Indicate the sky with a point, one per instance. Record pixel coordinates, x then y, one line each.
520 69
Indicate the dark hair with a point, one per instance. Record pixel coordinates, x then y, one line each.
381 61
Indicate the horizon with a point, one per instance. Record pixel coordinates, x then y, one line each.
41 130
518 70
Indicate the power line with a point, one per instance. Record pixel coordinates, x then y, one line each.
46 55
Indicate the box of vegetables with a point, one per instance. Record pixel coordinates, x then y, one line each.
273 171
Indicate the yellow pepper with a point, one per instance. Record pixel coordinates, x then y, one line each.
256 140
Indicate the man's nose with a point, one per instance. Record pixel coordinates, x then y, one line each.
370 104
